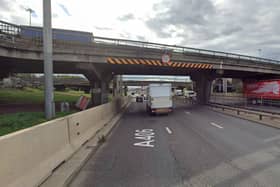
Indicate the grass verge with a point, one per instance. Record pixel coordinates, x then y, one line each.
36 96
17 121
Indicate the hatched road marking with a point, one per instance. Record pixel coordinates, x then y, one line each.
216 125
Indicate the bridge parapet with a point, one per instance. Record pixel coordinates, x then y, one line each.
12 32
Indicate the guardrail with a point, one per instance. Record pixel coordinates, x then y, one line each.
12 29
9 28
260 114
181 49
233 100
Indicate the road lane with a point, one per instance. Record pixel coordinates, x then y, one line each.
196 154
120 163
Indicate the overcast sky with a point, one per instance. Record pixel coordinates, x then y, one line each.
240 26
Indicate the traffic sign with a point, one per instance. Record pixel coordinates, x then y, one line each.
165 58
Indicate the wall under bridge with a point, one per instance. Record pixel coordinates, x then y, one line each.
29 156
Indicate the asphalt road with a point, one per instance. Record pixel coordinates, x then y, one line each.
193 146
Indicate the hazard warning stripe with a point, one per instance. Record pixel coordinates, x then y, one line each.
142 62
135 61
154 63
111 61
150 62
123 61
130 61
158 62
203 66
118 61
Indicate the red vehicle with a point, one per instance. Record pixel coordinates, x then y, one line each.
266 91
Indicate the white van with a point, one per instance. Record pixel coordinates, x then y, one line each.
159 98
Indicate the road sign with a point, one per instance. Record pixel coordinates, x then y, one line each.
165 58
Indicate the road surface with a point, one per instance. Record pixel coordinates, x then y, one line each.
193 146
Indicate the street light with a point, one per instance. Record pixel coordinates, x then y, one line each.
31 11
48 61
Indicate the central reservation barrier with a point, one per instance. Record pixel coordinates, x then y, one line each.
29 156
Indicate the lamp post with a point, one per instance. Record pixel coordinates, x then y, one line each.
48 61
31 11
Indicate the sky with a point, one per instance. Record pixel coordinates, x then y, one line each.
240 26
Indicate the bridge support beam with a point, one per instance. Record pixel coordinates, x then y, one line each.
202 88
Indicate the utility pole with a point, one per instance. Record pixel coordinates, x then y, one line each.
30 13
48 61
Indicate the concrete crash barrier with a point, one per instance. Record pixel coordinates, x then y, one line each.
29 156
83 127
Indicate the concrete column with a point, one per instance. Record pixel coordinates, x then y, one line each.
118 89
100 93
115 91
120 86
116 86
202 88
96 94
104 92
125 90
224 82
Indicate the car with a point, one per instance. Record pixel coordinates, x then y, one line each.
139 99
189 94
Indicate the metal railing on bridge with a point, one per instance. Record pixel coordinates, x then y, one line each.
181 49
10 31
9 28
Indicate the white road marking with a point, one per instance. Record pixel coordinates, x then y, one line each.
216 125
146 136
187 112
272 139
168 130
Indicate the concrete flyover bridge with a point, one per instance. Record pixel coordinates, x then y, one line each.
100 59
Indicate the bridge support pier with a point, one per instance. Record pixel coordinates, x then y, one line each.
100 93
117 86
202 88
104 92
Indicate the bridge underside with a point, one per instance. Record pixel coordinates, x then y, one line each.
9 65
101 64
100 74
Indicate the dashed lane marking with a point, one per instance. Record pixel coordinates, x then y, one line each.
168 130
216 125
